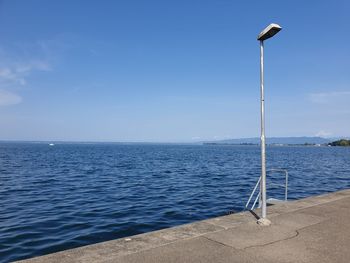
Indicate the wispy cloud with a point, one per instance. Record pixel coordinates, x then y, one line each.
9 98
222 137
16 73
17 64
327 97
323 134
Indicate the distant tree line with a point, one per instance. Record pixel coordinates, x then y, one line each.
342 142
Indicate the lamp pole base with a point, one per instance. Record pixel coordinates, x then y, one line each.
263 222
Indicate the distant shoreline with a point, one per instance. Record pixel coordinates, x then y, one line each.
272 144
254 141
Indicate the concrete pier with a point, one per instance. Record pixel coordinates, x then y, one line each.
315 229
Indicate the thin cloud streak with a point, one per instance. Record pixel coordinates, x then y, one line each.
9 98
323 134
15 70
16 74
327 97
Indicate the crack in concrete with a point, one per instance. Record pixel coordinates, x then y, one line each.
215 241
273 242
262 245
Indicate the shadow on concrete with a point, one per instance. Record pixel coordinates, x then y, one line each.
254 214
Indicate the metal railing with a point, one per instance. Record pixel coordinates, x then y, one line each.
273 184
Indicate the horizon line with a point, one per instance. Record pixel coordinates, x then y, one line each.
160 142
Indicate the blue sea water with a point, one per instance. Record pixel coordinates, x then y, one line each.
69 195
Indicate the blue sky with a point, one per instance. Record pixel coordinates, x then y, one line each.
176 71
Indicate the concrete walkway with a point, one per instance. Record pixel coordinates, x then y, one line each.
315 229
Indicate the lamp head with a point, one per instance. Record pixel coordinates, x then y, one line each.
269 31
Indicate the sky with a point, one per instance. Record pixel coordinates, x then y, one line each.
172 71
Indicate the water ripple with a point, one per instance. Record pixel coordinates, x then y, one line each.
69 195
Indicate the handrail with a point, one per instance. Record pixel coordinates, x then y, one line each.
251 195
285 171
256 199
258 183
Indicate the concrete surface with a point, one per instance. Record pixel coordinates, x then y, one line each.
315 229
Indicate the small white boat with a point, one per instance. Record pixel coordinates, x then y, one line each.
51 144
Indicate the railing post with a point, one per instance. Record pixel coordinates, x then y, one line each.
286 187
258 197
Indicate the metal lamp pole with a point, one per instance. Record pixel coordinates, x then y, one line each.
268 32
262 136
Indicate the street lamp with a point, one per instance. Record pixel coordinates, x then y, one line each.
268 32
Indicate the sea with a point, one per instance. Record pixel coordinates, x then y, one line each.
68 195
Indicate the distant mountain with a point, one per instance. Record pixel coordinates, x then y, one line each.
276 140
